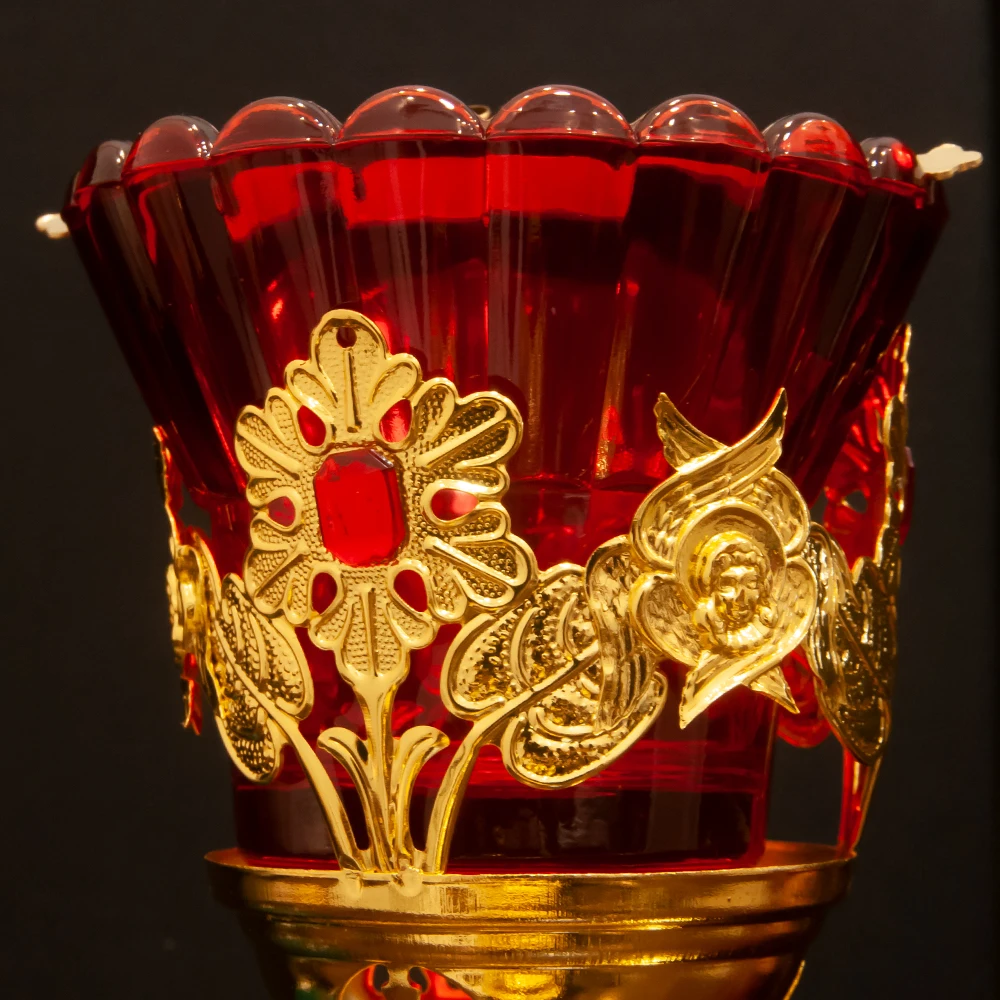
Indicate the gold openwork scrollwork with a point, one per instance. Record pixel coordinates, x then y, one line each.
721 572
728 592
852 643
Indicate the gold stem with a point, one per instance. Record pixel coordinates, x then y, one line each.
409 756
340 743
330 802
375 697
449 795
376 707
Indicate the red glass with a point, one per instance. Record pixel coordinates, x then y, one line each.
106 235
168 182
360 511
853 502
700 176
574 262
411 185
273 177
909 221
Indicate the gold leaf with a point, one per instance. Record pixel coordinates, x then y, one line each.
852 647
256 666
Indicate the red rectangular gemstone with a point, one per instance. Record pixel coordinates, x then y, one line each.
360 510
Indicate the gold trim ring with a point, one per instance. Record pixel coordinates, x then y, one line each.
721 933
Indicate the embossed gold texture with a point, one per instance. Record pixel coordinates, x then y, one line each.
728 591
715 935
851 646
348 387
185 595
556 668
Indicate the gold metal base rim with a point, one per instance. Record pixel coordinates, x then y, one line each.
788 876
719 934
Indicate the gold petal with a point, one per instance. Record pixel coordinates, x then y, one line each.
268 444
489 566
462 438
413 629
350 353
314 391
279 577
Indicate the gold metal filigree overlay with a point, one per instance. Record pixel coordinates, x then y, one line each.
349 386
851 646
558 668
728 592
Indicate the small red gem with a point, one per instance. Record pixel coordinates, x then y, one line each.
360 510
312 427
448 504
324 590
409 585
395 425
281 510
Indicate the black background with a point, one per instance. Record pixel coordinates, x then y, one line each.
107 805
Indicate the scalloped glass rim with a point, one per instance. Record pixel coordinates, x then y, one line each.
654 128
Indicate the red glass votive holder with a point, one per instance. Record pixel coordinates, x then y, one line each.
580 266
